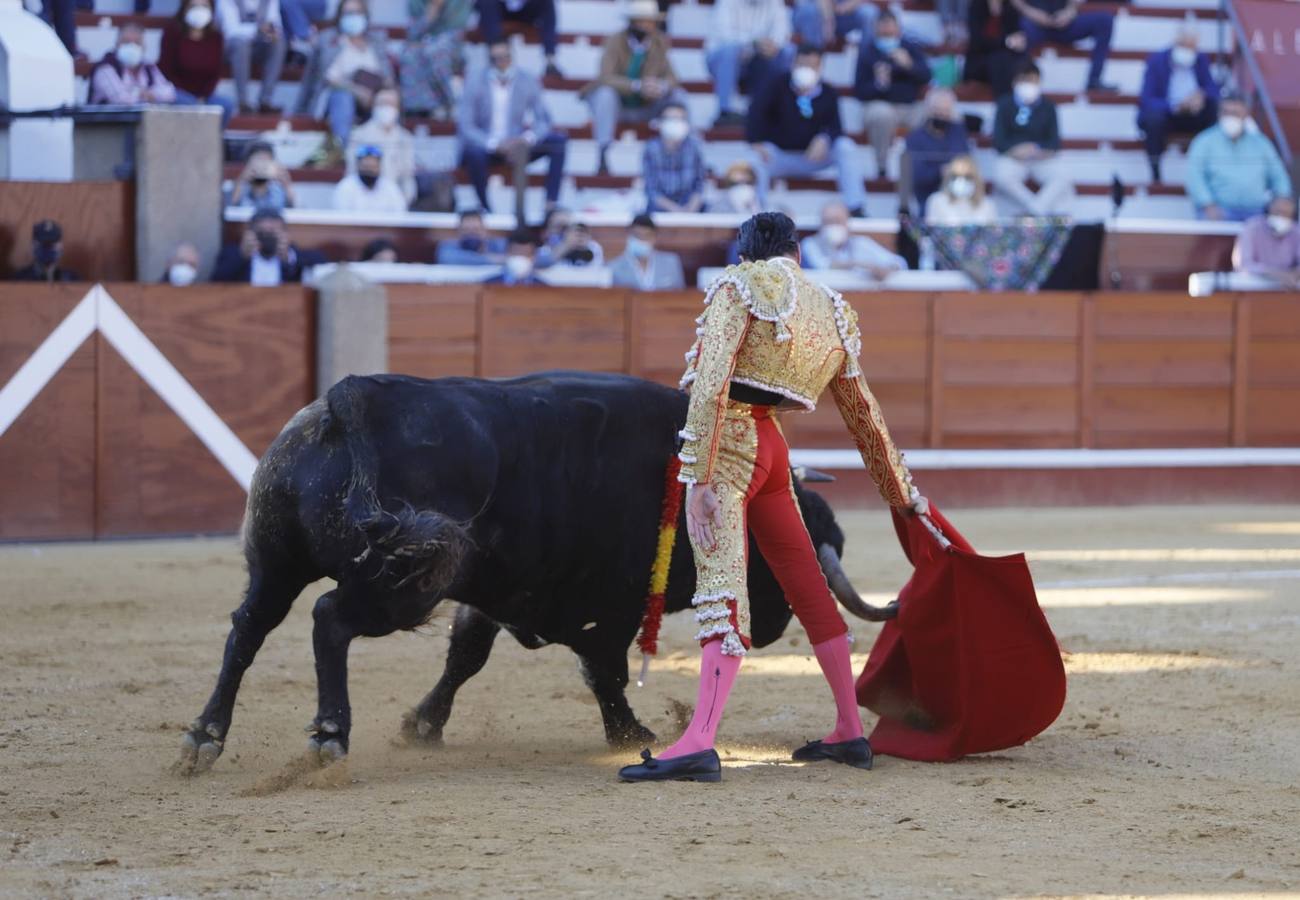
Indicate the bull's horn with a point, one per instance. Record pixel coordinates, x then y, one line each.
844 591
812 476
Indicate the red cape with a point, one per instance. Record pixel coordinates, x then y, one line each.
970 665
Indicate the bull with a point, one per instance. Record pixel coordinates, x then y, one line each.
533 502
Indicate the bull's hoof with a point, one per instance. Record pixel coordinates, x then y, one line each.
200 748
634 735
326 744
418 730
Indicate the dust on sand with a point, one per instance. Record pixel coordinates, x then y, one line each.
1174 768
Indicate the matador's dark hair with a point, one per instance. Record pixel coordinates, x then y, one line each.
765 235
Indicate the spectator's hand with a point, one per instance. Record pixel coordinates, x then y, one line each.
1212 212
1016 42
268 30
432 9
767 47
760 150
695 204
1064 17
1194 102
514 150
901 58
819 149
248 244
654 88
880 273
282 248
846 7
1025 151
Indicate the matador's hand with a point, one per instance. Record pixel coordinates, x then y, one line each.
920 507
703 514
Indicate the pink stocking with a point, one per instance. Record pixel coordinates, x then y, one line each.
833 655
717 675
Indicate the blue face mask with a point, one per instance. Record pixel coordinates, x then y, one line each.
638 248
888 44
352 24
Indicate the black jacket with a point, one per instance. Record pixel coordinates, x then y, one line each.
233 266
904 84
1039 128
774 116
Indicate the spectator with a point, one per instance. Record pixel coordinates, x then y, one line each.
1026 136
47 251
996 47
538 13
891 72
367 189
433 52
576 248
1060 22
1269 245
472 246
504 119
123 78
1232 169
818 22
738 193
352 61
937 142
644 268
264 257
192 49
636 80
953 15
1179 95
299 18
384 130
672 165
748 43
380 250
518 268
252 33
962 200
794 129
264 183
833 247
183 268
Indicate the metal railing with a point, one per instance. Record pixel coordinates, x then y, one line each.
1228 12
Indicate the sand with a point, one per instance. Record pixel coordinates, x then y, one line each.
1174 768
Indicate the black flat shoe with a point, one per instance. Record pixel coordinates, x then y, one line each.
856 753
702 766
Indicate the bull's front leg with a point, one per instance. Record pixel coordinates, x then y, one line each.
605 672
472 637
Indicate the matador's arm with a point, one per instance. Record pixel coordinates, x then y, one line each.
708 375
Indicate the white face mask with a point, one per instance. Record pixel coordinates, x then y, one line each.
674 129
835 234
182 274
130 55
1280 224
519 266
1232 126
352 24
386 115
742 197
804 78
961 187
1027 93
198 17
1183 56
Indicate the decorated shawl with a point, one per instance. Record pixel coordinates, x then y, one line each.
1000 257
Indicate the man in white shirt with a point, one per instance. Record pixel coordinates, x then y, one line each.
368 189
384 130
833 247
749 40
252 32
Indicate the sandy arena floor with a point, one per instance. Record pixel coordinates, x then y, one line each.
1175 768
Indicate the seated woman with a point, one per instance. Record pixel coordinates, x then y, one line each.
191 55
350 61
961 199
431 55
997 46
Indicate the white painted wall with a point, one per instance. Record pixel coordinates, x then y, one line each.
35 73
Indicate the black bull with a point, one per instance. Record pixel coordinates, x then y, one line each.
534 502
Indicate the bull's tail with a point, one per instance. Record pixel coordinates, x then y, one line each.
403 545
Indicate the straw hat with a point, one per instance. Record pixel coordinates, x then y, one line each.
642 9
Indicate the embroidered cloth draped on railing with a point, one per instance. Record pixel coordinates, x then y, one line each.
1012 256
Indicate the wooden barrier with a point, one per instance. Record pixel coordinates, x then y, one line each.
98 220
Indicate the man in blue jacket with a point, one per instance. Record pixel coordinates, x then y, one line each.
1179 95
892 71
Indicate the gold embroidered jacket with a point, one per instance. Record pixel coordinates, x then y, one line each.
768 326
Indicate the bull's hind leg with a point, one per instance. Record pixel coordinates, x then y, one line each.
605 672
266 603
472 636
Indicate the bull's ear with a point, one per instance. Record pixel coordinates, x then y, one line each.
811 476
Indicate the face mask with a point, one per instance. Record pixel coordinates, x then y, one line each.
940 125
352 24
472 244
1280 224
961 187
674 129
835 234
259 181
638 248
804 78
46 254
635 33
1027 93
579 256
505 74
368 178
198 17
518 266
386 115
1183 56
268 244
742 196
1232 126
182 274
130 55
888 44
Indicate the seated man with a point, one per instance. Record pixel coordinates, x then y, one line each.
576 248
833 247
504 119
1026 136
47 250
124 78
1233 170
384 130
538 13
253 33
1060 22
747 43
939 140
818 22
644 268
472 245
636 80
183 267
264 182
264 257
1269 245
368 189
891 73
794 129
518 268
1179 95
672 165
